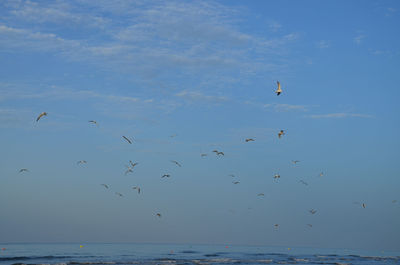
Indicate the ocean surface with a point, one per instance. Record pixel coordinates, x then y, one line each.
96 253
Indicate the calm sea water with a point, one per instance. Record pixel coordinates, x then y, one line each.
183 254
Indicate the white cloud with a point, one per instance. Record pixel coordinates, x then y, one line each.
359 38
323 44
278 107
339 115
199 96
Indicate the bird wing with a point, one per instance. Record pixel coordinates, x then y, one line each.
129 141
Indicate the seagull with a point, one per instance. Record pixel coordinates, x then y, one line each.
166 176
277 176
281 133
41 115
295 161
249 140
133 164
119 194
312 211
235 182
309 225
302 181
94 122
136 188
105 186
126 138
260 194
159 215
23 170
220 153
276 225
278 91
175 162
363 205
203 155
81 162
129 170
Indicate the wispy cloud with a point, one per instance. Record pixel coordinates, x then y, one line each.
359 38
279 107
199 96
339 115
323 44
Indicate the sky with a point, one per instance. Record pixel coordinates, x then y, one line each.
184 78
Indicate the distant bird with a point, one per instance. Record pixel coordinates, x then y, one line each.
312 211
81 162
235 182
249 140
203 155
220 153
41 115
166 176
105 186
281 133
321 174
119 194
94 122
176 163
295 161
126 138
302 181
133 164
23 170
159 215
232 175
260 194
277 176
129 170
309 225
137 188
278 90
276 225
363 205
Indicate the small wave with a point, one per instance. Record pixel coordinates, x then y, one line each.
189 252
33 258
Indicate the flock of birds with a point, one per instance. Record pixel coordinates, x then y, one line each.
130 167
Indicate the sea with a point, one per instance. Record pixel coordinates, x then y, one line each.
185 254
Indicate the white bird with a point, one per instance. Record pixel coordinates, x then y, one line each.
41 115
278 90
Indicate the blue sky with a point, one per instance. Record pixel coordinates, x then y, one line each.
206 72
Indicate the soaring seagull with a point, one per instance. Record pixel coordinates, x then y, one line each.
94 122
136 188
235 182
176 163
166 176
312 211
105 186
23 170
249 140
119 194
281 133
133 164
41 115
126 138
277 176
81 162
278 90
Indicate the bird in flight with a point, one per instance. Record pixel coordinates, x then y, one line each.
81 162
249 140
281 133
312 211
295 161
218 152
235 182
303 182
321 174
119 194
278 90
166 176
23 170
137 188
309 225
276 225
105 186
277 176
129 170
133 164
126 138
231 175
176 163
41 115
94 122
363 205
158 214
203 155
260 194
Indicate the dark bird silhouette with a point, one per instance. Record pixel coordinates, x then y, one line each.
260 194
105 186
276 225
277 176
133 164
119 194
203 155
295 161
249 140
94 122
235 182
41 115
126 138
176 163
166 176
312 211
278 90
302 181
137 188
23 170
158 214
81 162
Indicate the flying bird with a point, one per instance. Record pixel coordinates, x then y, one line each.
136 188
126 138
81 162
133 164
260 194
176 163
203 155
218 152
23 170
119 194
276 225
277 176
312 211
249 140
321 174
302 181
309 225
41 115
278 90
363 205
295 161
105 186
281 133
159 215
231 175
129 170
235 182
166 176
94 122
